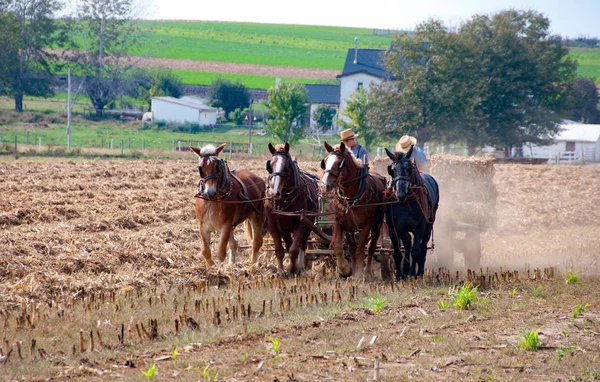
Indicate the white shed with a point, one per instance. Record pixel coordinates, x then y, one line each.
184 110
577 142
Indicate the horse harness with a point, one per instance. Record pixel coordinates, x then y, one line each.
417 192
292 193
225 183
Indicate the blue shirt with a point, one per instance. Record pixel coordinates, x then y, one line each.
420 158
361 153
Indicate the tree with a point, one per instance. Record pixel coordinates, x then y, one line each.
497 80
156 82
229 96
419 100
105 32
356 111
323 116
584 101
286 104
27 27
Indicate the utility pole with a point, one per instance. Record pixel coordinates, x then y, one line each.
69 110
250 128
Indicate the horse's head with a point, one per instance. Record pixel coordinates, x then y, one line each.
338 162
280 169
401 171
211 169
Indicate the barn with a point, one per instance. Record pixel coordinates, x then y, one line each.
577 142
184 110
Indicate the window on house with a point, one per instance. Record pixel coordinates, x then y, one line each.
570 146
360 85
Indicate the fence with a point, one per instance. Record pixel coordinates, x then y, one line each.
231 148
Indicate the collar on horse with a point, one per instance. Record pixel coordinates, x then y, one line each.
291 192
363 174
417 191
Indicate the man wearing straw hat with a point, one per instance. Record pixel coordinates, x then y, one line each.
349 138
404 144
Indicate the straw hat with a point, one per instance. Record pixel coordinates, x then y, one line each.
404 143
347 134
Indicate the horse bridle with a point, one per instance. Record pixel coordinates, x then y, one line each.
284 174
336 174
224 185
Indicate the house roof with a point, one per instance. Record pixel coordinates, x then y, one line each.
369 61
578 132
320 93
189 102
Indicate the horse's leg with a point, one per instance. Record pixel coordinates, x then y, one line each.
233 248
397 252
303 260
407 244
337 243
205 236
416 254
423 249
351 242
375 232
360 252
287 238
256 222
295 249
279 251
226 229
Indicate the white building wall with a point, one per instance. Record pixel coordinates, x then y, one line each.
584 151
171 112
207 117
349 84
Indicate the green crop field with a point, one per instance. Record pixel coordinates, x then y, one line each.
299 46
589 63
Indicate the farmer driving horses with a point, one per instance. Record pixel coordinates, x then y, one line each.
404 144
349 138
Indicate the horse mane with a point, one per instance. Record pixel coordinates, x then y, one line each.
280 148
208 150
357 162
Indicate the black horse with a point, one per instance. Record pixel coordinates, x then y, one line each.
418 198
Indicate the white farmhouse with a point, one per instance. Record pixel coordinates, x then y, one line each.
577 142
183 110
363 68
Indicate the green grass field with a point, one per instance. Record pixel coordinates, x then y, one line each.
190 77
299 46
589 63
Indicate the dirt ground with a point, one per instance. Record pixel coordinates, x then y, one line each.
227 67
68 226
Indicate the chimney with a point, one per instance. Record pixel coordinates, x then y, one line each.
355 50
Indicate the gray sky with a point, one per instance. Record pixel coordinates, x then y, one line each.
568 18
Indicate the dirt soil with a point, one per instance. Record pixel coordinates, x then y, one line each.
227 67
75 225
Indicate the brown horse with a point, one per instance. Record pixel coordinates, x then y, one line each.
224 200
355 186
290 191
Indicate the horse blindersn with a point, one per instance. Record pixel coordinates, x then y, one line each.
200 172
390 170
322 164
268 166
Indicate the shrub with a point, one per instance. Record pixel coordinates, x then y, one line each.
530 340
464 297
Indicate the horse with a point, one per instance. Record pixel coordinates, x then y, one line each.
290 190
355 186
224 200
417 203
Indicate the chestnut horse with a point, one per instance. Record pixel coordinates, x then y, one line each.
224 200
355 186
290 191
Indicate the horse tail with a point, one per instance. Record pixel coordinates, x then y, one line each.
248 230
